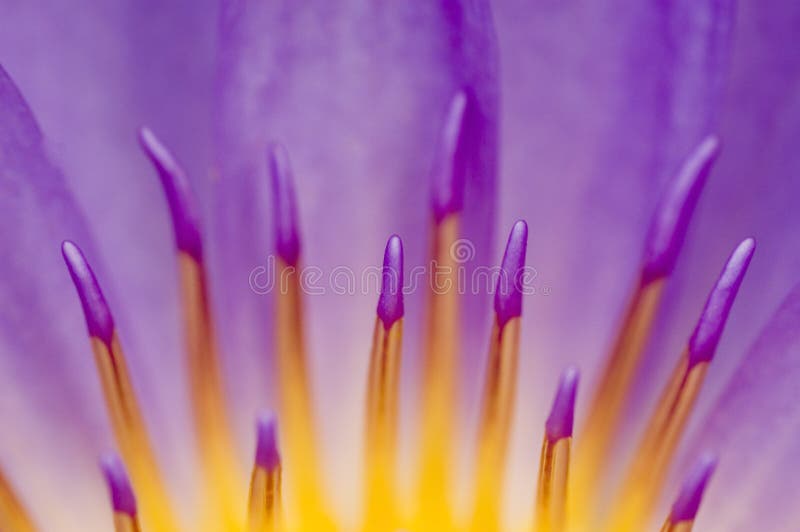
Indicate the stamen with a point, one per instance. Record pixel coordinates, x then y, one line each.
121 404
383 394
287 239
500 385
707 333
668 421
296 412
508 295
14 516
555 457
684 510
207 396
390 302
123 501
264 506
665 239
267 455
185 219
560 422
95 309
448 171
437 408
668 229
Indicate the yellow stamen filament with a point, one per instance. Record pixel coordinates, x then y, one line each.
296 411
439 377
211 422
13 515
131 435
605 408
264 504
381 427
495 425
125 523
661 437
552 493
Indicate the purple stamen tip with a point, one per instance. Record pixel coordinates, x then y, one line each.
98 316
508 294
562 416
668 227
185 220
708 331
287 239
122 498
267 455
691 495
390 303
449 166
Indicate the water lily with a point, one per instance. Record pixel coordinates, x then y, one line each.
290 141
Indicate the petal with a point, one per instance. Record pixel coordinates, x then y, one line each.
754 426
357 94
45 357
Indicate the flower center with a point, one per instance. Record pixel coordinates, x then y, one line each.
568 486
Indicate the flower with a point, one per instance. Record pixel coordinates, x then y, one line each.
575 119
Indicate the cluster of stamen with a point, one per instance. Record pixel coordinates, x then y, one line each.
567 486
